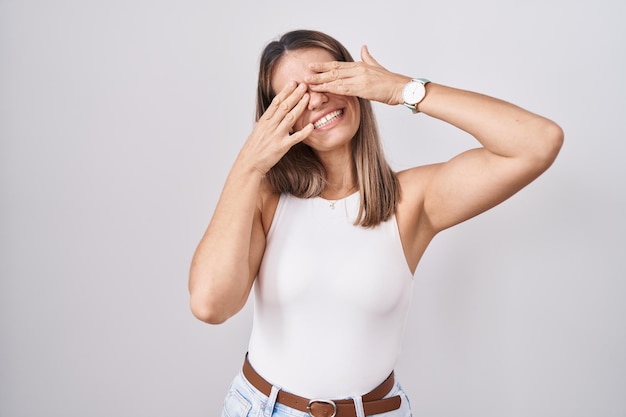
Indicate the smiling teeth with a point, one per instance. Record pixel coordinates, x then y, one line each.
327 119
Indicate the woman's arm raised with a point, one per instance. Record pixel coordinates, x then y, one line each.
225 262
228 256
517 145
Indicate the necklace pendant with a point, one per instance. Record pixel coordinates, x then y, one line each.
331 204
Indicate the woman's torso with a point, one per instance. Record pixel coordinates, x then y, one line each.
331 299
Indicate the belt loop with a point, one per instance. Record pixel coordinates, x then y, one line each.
271 401
358 406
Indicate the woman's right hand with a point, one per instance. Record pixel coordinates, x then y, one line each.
228 256
273 135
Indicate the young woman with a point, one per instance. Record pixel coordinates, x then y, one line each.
330 236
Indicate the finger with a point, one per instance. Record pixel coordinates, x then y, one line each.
336 77
330 71
328 66
290 118
285 110
367 57
342 87
279 100
301 135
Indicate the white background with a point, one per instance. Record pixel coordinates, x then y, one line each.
119 121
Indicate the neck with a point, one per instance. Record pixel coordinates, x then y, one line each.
340 181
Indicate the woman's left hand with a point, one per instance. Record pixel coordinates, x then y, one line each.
366 79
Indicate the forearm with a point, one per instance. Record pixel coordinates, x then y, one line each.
501 127
220 274
228 256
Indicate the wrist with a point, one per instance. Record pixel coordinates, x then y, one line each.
245 168
413 93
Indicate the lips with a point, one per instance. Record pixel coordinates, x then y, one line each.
328 118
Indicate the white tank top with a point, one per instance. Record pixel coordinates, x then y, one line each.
331 300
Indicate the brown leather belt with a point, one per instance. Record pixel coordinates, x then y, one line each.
373 402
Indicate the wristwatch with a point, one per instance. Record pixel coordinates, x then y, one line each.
414 92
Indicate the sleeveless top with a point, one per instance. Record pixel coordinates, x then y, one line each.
331 300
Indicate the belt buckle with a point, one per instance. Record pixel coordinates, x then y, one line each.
329 402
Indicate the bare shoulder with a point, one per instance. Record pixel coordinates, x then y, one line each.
414 182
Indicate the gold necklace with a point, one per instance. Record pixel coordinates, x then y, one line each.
331 203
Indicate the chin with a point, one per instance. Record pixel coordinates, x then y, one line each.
332 142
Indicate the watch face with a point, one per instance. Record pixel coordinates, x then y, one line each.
413 92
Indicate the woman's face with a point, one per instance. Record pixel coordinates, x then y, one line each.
336 118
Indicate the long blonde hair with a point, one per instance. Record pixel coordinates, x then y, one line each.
300 172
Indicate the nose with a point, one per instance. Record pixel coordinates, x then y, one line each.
317 99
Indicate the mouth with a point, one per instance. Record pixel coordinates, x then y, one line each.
328 119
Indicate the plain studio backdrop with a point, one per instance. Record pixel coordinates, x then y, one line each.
119 121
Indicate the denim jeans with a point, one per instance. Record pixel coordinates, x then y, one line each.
243 400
